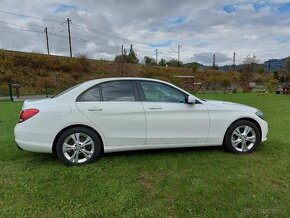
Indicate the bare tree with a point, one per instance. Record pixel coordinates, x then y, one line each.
249 68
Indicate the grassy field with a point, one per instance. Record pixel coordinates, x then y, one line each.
201 182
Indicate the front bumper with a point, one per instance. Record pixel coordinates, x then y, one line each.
264 130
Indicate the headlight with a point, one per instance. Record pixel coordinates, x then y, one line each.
260 114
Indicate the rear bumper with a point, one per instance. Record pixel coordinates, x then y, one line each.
33 139
18 146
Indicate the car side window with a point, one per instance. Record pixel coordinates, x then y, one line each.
157 92
118 91
93 94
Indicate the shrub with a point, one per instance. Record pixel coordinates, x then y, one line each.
272 85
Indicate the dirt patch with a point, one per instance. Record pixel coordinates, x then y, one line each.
146 182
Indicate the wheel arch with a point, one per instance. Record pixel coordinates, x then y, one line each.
72 126
248 119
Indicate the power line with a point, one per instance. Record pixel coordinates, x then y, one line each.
27 30
13 24
23 15
107 34
61 36
85 41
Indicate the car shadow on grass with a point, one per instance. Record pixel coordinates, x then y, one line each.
168 151
44 158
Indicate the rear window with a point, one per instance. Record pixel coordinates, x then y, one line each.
93 94
65 91
118 91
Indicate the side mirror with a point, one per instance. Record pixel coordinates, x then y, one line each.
190 100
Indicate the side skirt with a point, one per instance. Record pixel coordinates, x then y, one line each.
109 149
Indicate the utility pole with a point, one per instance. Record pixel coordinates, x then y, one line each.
234 61
69 39
156 58
179 46
47 45
213 61
253 62
122 60
269 65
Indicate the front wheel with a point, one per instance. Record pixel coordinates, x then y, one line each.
78 146
242 136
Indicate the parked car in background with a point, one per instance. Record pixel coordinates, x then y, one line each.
121 114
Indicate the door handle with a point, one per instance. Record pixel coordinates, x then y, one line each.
155 108
95 109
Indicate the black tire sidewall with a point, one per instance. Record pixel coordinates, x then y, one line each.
73 130
228 143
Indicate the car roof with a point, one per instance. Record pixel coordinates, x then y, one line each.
122 78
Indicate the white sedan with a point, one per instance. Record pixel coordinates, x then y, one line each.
121 114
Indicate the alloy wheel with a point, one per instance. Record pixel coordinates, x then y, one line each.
78 147
243 138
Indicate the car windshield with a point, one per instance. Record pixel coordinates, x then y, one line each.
65 91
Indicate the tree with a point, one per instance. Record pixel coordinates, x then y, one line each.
272 85
128 58
276 75
174 63
248 68
124 57
194 67
287 68
149 61
282 79
260 70
132 56
162 62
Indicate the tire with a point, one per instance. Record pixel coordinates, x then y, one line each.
78 146
242 137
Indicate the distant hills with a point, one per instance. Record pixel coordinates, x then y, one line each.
275 64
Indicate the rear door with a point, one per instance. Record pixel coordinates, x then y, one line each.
115 109
170 120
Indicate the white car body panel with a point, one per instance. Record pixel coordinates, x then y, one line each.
126 126
121 122
176 123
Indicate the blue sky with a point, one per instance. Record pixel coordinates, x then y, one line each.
165 43
257 6
62 8
175 21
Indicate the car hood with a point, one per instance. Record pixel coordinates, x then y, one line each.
215 104
31 102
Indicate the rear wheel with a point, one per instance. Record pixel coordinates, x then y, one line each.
78 146
242 136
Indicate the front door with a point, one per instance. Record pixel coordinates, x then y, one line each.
170 120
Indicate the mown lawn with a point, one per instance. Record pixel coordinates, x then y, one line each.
205 182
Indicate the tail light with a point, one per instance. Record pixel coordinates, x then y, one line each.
26 114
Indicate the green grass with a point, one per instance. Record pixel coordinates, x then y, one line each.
206 182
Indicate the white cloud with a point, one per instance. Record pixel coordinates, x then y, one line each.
203 28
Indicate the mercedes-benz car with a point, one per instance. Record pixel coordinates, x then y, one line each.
121 114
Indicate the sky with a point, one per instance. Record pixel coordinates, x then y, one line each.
201 27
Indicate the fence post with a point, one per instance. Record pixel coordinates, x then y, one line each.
10 91
46 90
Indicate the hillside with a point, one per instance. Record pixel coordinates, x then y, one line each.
275 65
35 71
